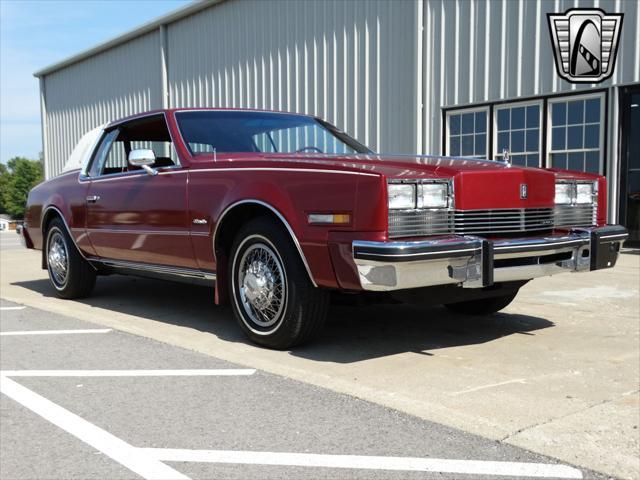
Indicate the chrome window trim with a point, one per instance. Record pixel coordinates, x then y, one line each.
84 175
279 215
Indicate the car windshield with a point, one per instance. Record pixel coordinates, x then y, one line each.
206 132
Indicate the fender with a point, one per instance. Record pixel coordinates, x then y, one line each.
254 201
66 225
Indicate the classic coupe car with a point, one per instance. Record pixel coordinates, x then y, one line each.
276 210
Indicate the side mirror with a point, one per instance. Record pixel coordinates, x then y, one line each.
143 158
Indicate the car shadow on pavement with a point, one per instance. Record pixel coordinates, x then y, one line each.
351 334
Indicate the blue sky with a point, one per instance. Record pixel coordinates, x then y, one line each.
37 33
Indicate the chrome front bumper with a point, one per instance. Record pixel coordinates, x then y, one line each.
476 262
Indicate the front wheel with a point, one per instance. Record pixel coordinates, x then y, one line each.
273 301
483 306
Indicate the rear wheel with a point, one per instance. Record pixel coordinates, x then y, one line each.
69 273
483 306
274 301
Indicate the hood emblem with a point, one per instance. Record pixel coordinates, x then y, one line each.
524 191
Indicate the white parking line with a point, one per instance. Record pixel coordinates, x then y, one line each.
363 462
2 309
219 372
127 455
56 332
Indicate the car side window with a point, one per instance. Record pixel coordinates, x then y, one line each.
149 133
102 153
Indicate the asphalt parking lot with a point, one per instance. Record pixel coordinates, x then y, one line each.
86 402
557 374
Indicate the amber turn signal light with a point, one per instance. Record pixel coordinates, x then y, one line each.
329 218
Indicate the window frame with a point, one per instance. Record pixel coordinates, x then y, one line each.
541 128
87 174
461 111
549 127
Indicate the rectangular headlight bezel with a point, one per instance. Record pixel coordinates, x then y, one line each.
576 192
431 194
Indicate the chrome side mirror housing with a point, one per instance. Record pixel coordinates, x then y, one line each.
144 158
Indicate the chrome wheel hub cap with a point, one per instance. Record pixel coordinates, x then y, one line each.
58 259
261 285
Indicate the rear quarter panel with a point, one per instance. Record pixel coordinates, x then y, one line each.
67 195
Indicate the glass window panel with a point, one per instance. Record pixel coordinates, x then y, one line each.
533 160
576 112
559 160
592 110
574 137
558 138
559 114
517 141
533 116
481 122
592 162
533 137
503 119
481 144
454 124
467 123
520 160
592 136
503 141
575 161
467 145
454 146
517 118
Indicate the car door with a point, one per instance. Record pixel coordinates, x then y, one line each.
133 216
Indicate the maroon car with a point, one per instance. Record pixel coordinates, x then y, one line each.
277 210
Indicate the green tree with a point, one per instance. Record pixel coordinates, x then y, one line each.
20 176
4 179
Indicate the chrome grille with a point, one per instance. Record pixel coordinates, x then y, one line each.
407 223
574 215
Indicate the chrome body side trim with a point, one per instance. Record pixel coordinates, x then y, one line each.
282 169
123 265
475 262
282 219
66 225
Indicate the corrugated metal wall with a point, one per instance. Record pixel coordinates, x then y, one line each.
477 51
381 70
352 63
119 82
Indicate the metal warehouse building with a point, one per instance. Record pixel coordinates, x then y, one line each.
455 77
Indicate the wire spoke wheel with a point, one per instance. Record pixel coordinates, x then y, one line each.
58 259
262 285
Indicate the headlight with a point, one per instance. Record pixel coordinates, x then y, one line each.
576 193
585 193
433 195
564 193
402 195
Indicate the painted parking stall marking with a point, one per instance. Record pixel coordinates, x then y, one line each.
55 332
365 462
218 372
7 309
148 462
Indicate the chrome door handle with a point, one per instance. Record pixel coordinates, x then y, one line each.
93 198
